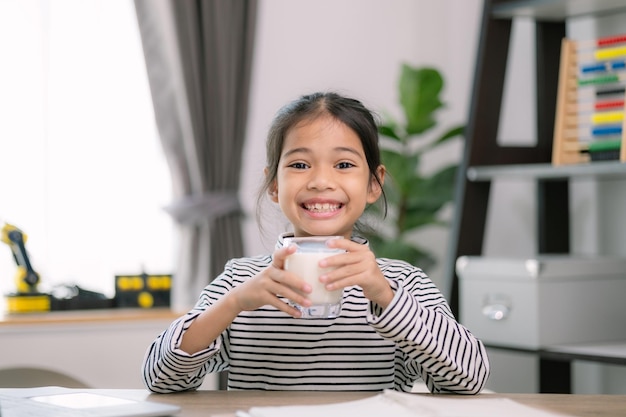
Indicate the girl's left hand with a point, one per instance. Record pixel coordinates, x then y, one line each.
356 267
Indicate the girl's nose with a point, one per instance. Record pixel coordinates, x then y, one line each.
321 179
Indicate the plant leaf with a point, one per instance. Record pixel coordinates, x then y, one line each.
428 196
417 217
434 191
452 133
389 130
399 249
419 97
401 170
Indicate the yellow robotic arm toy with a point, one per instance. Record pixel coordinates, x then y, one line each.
27 296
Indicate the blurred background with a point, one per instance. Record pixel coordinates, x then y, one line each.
82 170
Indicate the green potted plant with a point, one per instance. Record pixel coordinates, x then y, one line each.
414 198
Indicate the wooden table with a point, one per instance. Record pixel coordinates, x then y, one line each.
225 403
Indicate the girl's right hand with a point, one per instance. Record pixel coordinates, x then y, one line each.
260 290
274 281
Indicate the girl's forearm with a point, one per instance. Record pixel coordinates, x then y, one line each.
209 325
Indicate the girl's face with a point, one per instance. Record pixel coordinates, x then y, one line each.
323 183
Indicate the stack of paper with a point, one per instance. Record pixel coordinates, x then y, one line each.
396 404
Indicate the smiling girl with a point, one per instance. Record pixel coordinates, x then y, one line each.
395 327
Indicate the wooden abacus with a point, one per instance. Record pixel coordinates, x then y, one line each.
590 123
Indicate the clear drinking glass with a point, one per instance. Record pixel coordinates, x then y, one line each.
304 263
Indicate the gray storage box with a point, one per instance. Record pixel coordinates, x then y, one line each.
533 303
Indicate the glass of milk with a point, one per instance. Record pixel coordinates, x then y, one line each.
305 263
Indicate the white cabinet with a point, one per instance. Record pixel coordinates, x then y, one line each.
101 348
543 301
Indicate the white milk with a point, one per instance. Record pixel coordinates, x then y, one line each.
306 266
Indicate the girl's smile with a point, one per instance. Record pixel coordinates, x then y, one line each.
321 208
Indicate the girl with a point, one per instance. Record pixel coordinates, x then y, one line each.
323 169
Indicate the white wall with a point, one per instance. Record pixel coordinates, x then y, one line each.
355 47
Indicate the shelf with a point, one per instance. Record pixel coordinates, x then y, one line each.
485 160
601 352
600 170
106 316
555 9
606 352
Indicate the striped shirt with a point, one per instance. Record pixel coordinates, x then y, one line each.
364 349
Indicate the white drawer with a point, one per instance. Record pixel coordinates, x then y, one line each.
544 301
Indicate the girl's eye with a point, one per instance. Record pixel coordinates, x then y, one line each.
344 165
298 165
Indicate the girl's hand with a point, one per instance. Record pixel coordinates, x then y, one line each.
264 288
356 267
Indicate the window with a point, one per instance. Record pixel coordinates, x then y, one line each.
81 171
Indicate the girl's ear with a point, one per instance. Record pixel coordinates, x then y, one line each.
272 190
376 188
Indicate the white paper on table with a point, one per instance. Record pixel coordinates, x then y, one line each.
397 404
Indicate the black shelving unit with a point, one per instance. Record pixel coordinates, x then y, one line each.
484 159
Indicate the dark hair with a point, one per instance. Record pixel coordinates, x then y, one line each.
347 110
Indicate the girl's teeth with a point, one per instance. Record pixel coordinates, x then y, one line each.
318 207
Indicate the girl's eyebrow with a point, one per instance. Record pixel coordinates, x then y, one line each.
337 149
296 150
348 149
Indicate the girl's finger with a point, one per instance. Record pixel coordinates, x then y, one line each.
281 305
279 256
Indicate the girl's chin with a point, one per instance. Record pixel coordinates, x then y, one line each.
320 232
322 224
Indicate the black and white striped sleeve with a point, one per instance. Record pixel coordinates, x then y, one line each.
442 351
166 368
